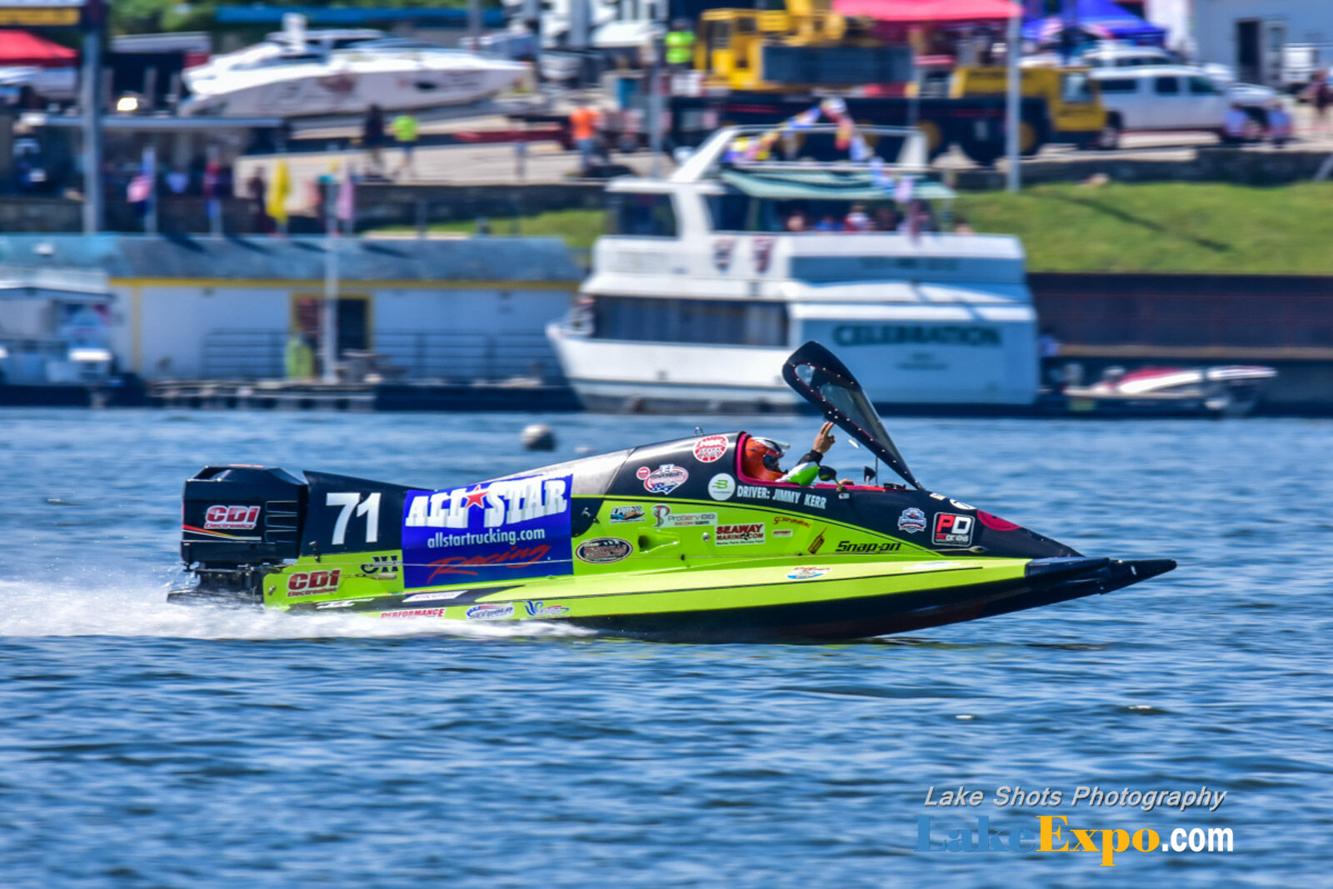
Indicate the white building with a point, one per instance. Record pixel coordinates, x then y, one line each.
456 309
1247 35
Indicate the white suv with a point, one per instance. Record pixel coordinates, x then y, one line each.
1163 97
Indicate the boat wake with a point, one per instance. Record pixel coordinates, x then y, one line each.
136 606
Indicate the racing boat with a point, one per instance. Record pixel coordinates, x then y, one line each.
667 541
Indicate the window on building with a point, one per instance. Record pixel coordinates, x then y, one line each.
652 319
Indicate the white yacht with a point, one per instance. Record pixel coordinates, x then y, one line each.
295 73
705 285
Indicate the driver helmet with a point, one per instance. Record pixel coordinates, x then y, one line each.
762 454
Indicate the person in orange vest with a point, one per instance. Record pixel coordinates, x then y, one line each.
583 123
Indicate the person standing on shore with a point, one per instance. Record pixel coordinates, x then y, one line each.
583 123
372 139
1320 96
405 129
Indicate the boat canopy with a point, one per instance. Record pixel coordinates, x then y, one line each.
824 185
820 378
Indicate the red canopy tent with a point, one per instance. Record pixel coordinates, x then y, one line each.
23 48
909 12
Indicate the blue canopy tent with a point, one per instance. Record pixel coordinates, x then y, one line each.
1099 20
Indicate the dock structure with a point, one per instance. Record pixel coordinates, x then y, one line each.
517 396
443 312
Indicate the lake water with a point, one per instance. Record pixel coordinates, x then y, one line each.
143 744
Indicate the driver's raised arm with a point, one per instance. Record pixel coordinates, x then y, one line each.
806 471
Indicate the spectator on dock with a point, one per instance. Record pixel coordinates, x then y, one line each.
1236 125
299 357
372 139
1320 96
680 46
796 221
886 219
1279 124
405 131
856 219
584 122
256 189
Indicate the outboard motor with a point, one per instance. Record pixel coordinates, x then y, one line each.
237 524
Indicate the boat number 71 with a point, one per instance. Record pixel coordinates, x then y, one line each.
370 508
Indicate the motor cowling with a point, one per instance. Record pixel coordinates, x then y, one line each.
241 515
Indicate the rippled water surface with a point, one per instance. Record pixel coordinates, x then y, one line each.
149 745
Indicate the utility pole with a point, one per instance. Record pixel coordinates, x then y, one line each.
655 48
1013 97
474 24
90 97
328 332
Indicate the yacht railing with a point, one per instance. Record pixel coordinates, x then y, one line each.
720 150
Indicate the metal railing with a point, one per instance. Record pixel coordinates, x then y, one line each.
243 354
453 356
465 356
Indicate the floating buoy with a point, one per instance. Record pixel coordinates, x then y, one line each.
538 437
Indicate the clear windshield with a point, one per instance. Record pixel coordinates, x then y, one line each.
816 374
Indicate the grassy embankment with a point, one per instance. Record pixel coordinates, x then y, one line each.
1166 227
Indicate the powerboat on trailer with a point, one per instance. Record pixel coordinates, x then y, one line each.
295 73
669 541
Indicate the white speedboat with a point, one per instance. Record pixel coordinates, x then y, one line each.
298 74
1229 390
704 287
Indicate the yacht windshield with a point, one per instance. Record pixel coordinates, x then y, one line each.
818 376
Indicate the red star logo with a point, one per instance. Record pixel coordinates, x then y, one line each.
475 498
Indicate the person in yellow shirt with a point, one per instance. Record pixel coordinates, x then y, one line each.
680 46
405 128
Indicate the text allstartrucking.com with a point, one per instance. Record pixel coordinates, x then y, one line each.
440 540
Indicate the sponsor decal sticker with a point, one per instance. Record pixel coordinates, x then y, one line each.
623 514
952 529
603 550
710 448
231 518
413 612
790 520
310 583
339 603
501 530
995 523
664 479
663 517
381 567
722 250
763 253
783 532
818 543
912 520
848 546
540 609
721 486
494 611
958 504
730 535
806 572
436 597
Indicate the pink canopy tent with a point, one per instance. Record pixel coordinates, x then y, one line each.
907 12
23 48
